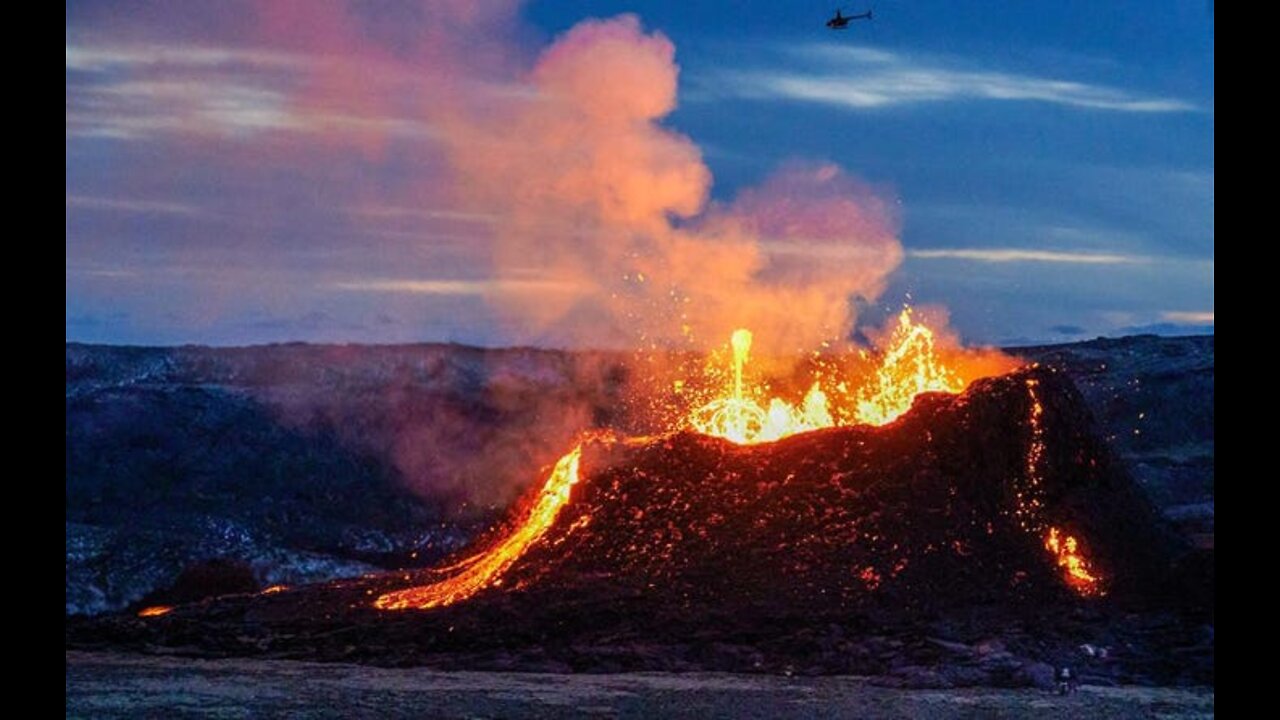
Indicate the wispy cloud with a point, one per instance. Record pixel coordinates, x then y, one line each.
107 58
818 249
103 272
1014 255
142 92
452 287
1183 317
391 212
129 205
870 79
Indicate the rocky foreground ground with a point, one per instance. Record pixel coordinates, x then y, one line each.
101 685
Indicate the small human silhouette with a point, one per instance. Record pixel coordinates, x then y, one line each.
1066 683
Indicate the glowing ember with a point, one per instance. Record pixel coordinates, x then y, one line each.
155 611
1028 497
486 569
273 589
909 367
1075 568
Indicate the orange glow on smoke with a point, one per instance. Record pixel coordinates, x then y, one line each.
1075 568
155 611
486 569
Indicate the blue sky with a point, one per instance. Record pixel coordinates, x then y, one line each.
1051 164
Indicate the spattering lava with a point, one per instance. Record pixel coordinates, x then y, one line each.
909 367
736 415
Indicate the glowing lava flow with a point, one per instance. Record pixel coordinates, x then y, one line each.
1064 549
155 611
486 569
1029 498
1075 568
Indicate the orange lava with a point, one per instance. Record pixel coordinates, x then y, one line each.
737 416
486 569
1075 568
910 366
1030 502
273 589
1029 498
155 611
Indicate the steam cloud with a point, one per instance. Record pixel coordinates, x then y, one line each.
593 194
589 221
596 223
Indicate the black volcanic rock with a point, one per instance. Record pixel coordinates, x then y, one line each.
204 580
858 549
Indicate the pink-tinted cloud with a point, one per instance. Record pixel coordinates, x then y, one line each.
563 153
595 193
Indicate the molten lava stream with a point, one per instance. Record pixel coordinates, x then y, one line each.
486 569
1075 568
155 611
1065 550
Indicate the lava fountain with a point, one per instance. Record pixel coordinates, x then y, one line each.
909 367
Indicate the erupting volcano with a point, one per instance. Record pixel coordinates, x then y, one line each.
908 368
452 334
987 504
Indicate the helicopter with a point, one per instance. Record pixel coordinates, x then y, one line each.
841 21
